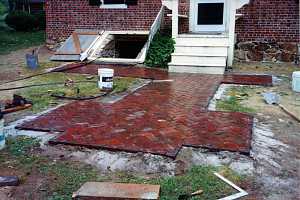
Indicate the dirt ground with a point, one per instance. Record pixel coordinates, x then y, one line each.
275 152
12 66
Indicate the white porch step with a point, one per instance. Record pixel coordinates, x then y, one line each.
202 41
204 51
199 60
195 35
200 54
184 68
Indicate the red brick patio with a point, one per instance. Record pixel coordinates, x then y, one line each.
159 118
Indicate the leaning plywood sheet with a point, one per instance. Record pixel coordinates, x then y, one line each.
76 45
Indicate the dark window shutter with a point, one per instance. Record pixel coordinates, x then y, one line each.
94 2
131 2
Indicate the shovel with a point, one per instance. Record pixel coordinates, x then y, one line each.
188 196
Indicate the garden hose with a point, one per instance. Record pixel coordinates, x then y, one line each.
43 84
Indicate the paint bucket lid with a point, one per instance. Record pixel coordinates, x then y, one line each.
105 71
296 74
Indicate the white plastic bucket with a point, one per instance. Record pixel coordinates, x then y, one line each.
106 77
2 136
296 81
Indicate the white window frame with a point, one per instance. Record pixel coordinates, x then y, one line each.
113 6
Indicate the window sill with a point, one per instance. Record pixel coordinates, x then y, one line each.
114 6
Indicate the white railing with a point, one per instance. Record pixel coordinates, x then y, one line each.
153 30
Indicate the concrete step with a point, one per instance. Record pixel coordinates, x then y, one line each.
200 41
183 68
199 60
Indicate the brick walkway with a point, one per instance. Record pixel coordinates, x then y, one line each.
159 118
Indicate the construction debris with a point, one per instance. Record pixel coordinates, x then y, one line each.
18 103
108 190
9 181
289 113
271 98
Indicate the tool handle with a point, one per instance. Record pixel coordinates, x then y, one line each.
197 192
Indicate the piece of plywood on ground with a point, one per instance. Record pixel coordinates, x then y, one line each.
107 190
76 44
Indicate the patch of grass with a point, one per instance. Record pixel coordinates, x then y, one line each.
68 178
200 177
21 145
20 150
12 40
41 96
43 66
122 84
233 101
64 177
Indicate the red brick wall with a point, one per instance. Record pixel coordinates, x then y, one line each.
184 7
64 16
269 20
263 20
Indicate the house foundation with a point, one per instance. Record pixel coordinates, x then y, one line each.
266 51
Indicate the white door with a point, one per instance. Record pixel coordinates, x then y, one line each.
208 15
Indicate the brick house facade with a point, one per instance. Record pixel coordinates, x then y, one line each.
274 21
64 16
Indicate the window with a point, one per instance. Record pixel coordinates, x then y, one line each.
210 13
113 4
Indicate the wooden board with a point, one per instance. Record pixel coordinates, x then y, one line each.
109 191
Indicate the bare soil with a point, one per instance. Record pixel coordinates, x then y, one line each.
12 65
276 147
